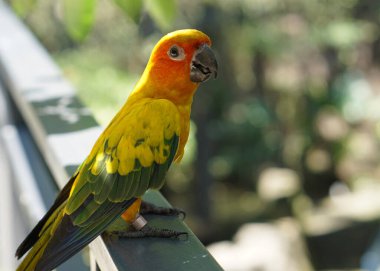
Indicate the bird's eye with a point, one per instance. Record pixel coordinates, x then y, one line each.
176 53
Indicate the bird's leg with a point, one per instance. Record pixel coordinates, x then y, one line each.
144 230
148 208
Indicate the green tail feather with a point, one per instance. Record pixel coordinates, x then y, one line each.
32 258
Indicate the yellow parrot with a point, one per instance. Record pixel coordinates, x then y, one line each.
131 156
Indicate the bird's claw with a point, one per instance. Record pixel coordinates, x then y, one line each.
152 209
148 231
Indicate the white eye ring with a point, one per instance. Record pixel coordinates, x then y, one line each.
176 53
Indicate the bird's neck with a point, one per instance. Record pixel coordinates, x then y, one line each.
169 85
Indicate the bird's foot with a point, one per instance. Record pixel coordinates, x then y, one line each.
141 230
148 231
148 208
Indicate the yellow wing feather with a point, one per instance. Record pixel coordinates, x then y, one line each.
139 137
138 134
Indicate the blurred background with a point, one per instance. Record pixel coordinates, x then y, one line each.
282 170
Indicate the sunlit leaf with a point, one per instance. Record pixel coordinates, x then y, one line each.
163 12
78 17
23 7
131 8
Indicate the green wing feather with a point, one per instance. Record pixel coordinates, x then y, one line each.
131 156
114 188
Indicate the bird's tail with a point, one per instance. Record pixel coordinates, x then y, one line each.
32 258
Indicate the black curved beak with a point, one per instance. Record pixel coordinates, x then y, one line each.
203 65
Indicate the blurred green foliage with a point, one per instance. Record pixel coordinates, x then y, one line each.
298 89
77 16
131 8
23 7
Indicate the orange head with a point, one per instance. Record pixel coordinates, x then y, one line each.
179 62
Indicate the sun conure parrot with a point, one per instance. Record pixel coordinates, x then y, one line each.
131 156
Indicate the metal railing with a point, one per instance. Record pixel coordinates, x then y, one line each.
45 134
